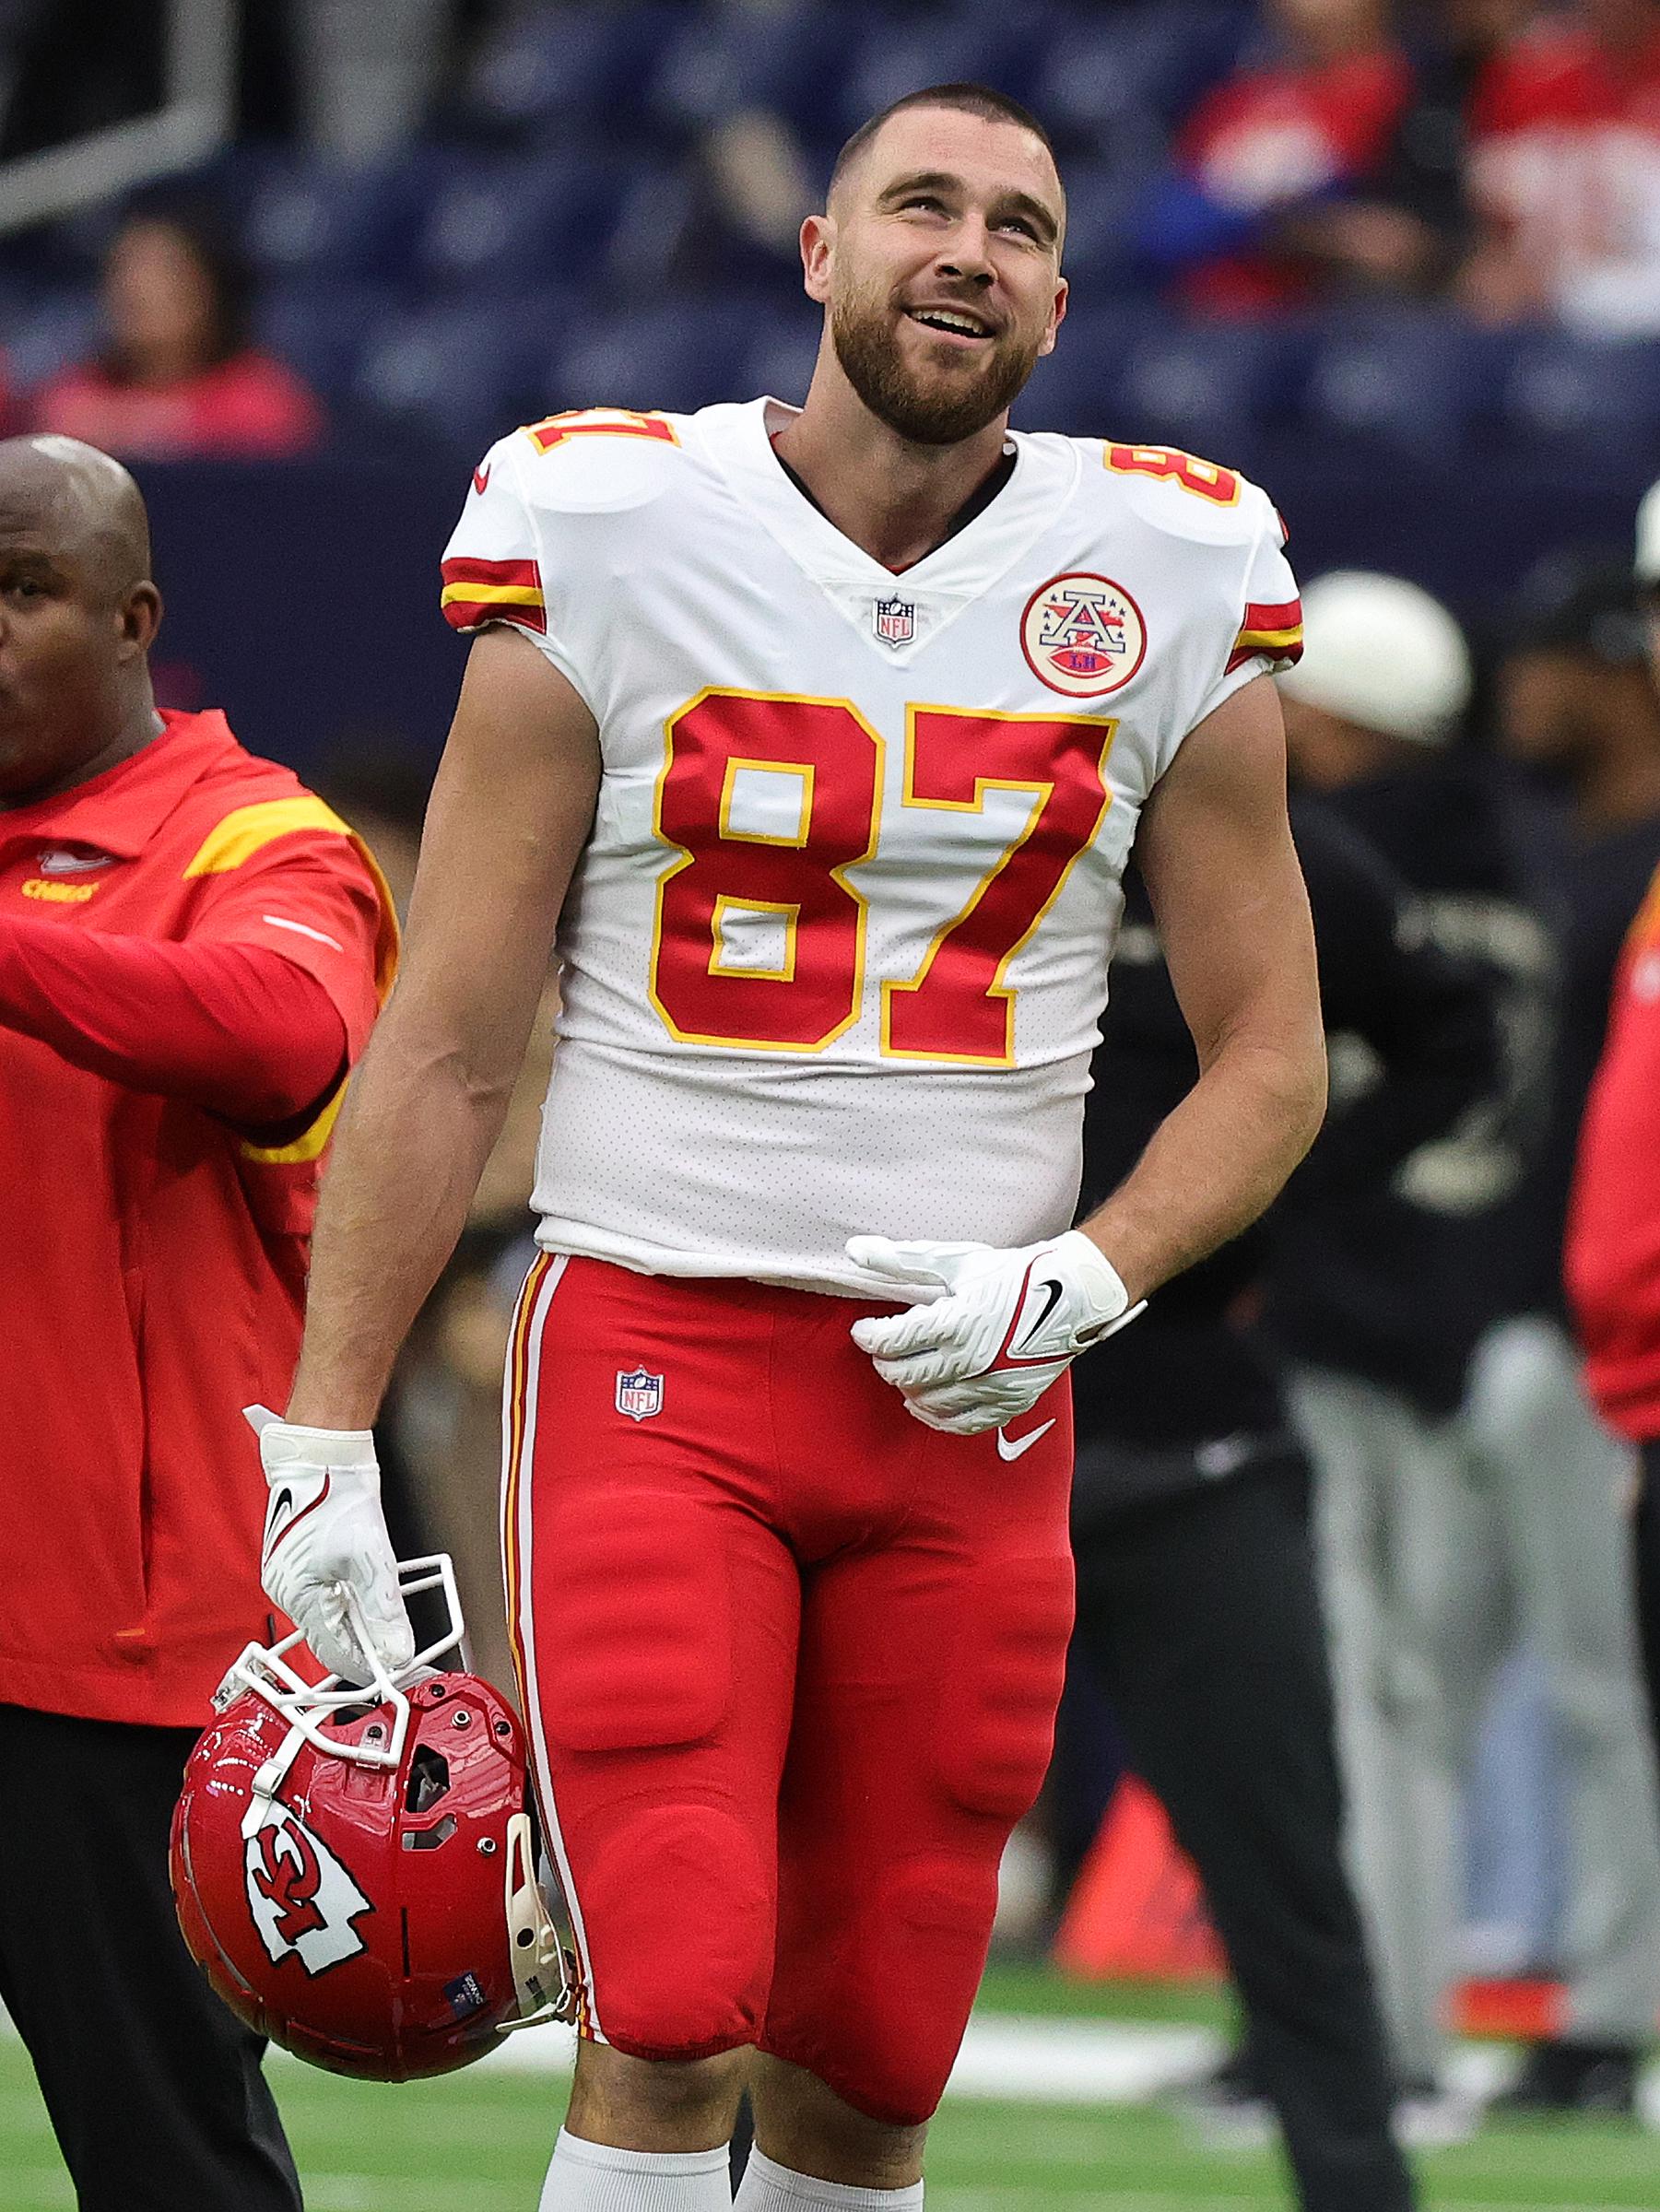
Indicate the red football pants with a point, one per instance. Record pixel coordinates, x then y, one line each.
790 1661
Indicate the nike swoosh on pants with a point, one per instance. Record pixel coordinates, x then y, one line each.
1012 1447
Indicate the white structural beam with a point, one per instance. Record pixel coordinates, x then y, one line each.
194 117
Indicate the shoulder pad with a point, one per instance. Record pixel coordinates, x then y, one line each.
597 458
1185 496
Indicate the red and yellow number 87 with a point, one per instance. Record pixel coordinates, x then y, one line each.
820 764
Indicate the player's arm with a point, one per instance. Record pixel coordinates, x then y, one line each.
1215 851
237 1030
511 809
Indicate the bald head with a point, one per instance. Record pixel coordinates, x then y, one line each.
77 614
80 501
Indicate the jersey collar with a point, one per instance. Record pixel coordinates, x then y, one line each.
122 810
940 585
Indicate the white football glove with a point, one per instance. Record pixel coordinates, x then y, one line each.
1009 1323
325 1535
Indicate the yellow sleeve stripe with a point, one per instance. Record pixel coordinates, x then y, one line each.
306 1147
492 594
244 831
1273 641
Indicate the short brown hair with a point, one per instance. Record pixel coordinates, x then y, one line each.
971 100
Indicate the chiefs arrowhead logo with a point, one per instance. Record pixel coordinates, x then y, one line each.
301 1898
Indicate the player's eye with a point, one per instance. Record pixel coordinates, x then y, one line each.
923 199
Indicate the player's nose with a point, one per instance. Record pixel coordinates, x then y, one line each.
967 256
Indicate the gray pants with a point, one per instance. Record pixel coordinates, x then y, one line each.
1441 1544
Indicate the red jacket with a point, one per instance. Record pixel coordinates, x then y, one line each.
1613 1257
152 1257
250 408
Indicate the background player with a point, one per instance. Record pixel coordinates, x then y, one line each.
792 1677
190 944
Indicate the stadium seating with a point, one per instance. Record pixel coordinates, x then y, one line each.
1595 397
556 240
679 355
791 59
1414 380
539 71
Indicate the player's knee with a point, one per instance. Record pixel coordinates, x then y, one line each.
614 2089
886 2036
997 1723
679 1913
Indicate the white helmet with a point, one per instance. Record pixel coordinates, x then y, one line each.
1648 539
1381 653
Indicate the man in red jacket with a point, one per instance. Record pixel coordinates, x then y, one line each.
192 951
1613 1256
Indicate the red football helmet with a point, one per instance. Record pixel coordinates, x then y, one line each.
354 1867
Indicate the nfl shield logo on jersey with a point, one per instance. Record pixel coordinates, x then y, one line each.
639 1395
896 620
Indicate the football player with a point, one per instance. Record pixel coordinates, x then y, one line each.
814 740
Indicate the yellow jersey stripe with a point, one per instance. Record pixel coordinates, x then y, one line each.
246 829
482 594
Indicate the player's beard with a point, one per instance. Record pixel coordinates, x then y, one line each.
924 410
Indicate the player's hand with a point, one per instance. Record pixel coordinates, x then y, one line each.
1008 1323
325 1534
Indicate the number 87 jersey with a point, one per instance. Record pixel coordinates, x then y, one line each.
836 949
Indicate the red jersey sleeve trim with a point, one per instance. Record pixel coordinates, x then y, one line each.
1271 631
493 591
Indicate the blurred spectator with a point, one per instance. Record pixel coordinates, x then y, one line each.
1196 1604
1566 171
1576 708
1268 149
1614 1240
1466 1492
1410 229
179 378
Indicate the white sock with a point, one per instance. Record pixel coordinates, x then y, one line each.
768 2187
592 2177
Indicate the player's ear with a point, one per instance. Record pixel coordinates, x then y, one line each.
1057 315
138 618
818 251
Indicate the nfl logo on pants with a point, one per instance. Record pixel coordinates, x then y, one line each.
639 1395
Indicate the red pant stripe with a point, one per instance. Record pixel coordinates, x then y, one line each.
518 1441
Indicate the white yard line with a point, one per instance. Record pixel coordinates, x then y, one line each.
1047 2060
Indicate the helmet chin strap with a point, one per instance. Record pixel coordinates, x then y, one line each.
544 1973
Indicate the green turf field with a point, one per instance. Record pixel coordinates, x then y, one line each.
479 2143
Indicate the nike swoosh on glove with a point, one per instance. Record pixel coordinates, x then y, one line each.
1008 1324
324 1536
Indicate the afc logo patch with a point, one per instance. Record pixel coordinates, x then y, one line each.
303 1899
895 620
639 1395
1083 635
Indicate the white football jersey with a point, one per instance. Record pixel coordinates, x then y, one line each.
835 954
